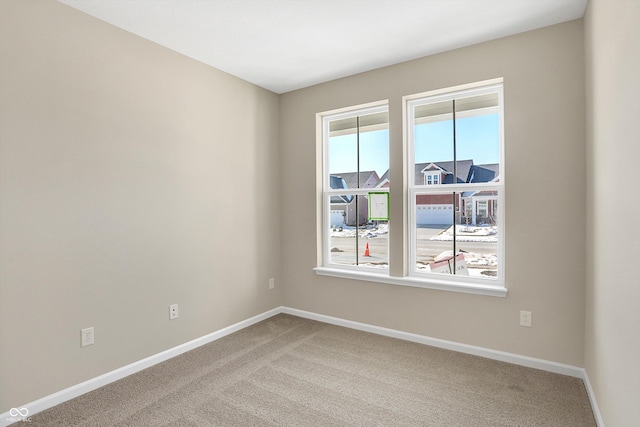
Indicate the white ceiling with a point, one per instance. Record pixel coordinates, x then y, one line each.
283 45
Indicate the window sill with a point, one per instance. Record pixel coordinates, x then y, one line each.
467 288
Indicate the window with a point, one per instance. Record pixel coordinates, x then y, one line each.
356 164
459 133
453 233
432 179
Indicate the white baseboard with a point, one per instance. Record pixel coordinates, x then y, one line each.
59 397
94 383
592 398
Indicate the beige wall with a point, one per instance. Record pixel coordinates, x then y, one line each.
543 74
132 178
612 351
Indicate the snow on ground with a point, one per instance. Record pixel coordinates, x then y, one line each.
368 232
378 266
469 233
476 262
473 259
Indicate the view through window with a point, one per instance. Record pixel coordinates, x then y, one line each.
357 163
456 183
453 191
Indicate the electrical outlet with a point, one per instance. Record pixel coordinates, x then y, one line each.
173 311
86 337
272 283
525 318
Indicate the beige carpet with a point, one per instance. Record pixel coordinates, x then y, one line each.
289 371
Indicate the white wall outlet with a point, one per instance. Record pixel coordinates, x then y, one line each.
525 318
86 337
272 283
173 311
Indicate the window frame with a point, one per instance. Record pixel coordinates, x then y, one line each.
324 119
401 274
414 189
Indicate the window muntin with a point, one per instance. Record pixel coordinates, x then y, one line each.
356 162
460 134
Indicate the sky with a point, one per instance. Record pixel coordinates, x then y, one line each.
477 138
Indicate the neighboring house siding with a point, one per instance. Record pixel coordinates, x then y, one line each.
362 209
346 180
435 199
471 208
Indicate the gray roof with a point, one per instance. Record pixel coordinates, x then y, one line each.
467 173
383 178
463 168
336 182
351 178
485 173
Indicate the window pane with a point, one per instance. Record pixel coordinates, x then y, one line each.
374 158
374 245
478 138
353 240
433 143
476 233
456 140
343 148
358 158
434 216
359 150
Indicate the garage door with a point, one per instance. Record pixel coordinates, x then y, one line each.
337 218
434 214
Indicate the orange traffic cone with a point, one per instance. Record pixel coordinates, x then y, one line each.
366 250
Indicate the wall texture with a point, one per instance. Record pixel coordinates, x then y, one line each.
543 75
132 178
612 351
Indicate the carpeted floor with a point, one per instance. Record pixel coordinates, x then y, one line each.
289 371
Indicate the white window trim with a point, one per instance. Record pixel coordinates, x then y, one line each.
324 250
414 189
414 282
479 287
